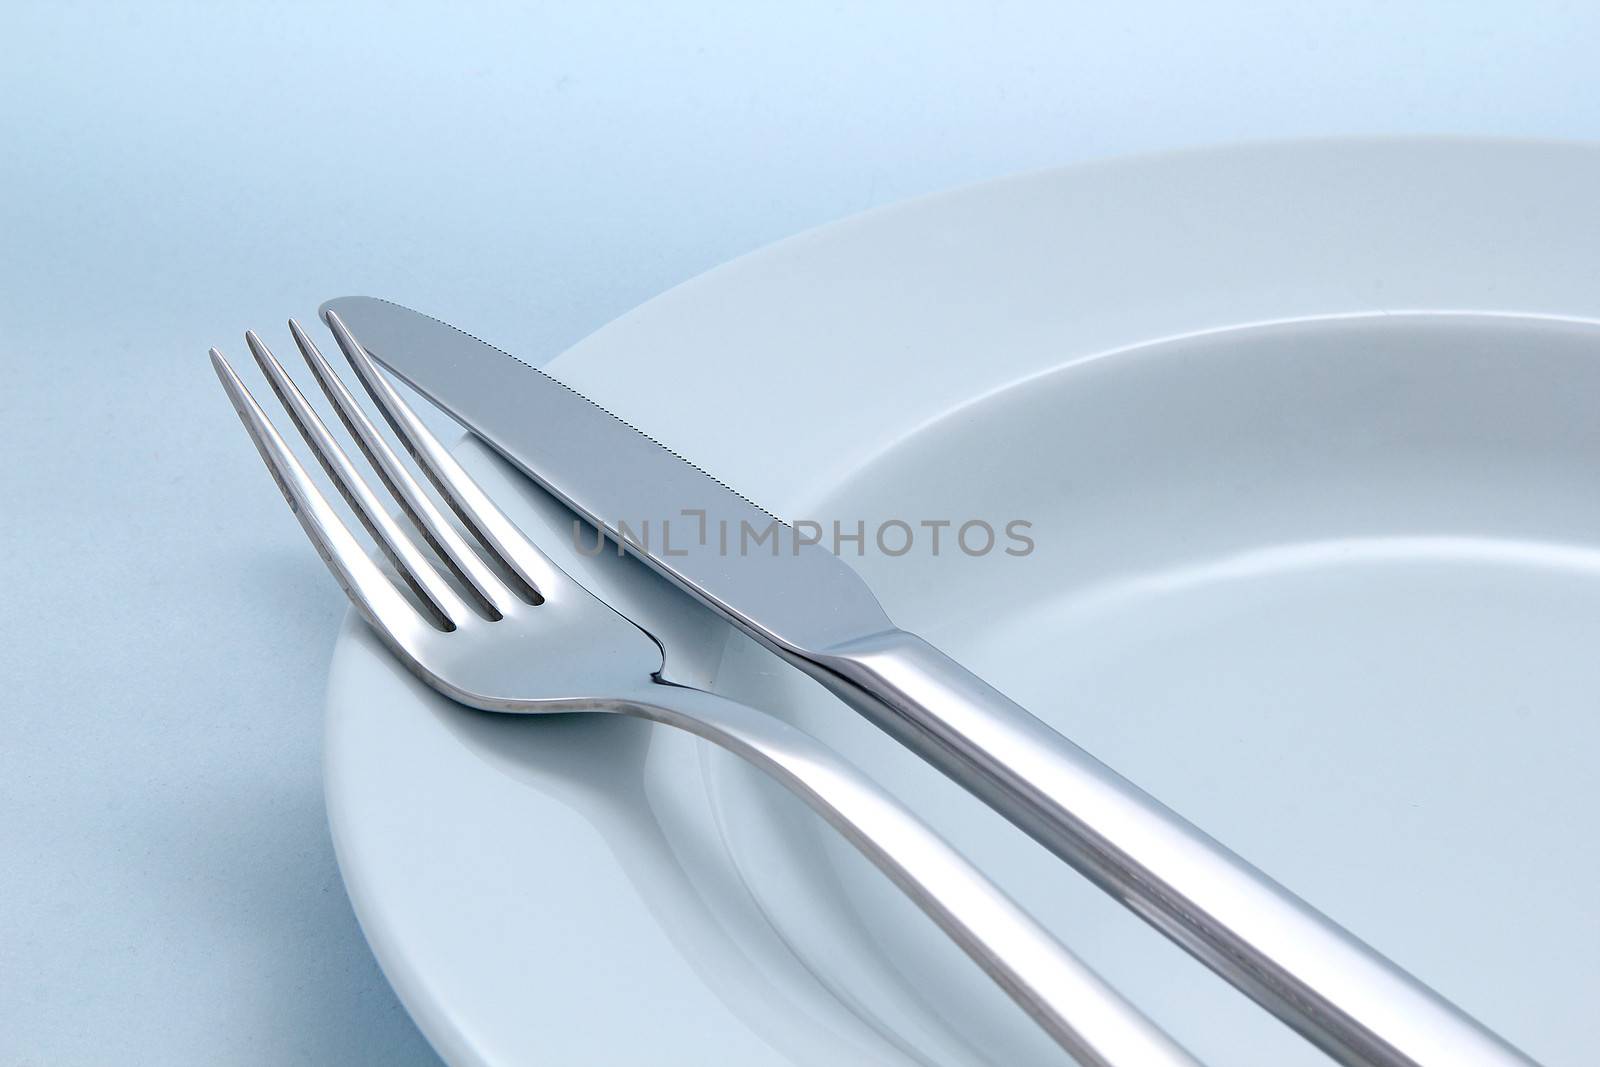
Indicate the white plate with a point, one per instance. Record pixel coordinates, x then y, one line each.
1307 437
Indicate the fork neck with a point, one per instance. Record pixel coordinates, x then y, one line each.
1070 1002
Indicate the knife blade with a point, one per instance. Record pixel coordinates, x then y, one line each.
699 532
813 610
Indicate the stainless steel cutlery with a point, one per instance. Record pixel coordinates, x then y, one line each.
479 613
808 607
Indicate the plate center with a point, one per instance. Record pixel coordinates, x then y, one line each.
1328 588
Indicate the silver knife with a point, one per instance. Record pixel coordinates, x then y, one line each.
811 609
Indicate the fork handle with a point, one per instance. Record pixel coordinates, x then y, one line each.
1087 1017
1335 990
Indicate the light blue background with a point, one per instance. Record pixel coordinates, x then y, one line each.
172 174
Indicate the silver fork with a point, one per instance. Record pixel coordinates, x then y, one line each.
509 631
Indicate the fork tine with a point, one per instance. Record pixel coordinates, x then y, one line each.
448 608
492 594
366 586
480 514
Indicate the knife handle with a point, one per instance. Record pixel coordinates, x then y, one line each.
1339 993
